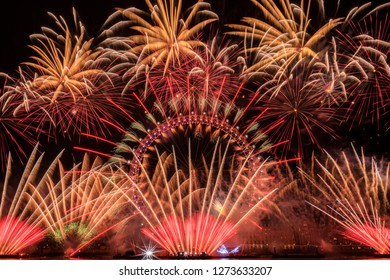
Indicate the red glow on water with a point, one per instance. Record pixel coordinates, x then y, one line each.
15 235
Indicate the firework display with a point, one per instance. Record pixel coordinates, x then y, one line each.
174 128
81 207
356 193
18 230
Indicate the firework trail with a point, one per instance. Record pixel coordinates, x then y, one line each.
16 235
17 229
295 111
356 191
186 211
85 204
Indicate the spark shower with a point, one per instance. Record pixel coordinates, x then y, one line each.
172 128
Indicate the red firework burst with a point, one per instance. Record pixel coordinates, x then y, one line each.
355 190
193 208
292 110
68 116
16 235
364 52
375 236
